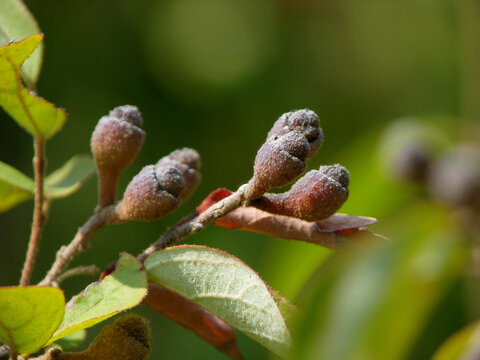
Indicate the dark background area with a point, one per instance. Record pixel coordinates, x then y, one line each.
214 75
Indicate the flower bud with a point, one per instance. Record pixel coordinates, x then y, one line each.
455 178
187 161
316 196
278 162
304 121
115 142
151 194
128 338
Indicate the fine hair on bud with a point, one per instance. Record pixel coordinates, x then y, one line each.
151 194
115 143
304 121
279 161
187 161
316 196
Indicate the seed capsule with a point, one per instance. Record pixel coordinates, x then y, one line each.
316 196
115 143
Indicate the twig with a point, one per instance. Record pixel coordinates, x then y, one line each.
38 214
79 270
182 229
79 243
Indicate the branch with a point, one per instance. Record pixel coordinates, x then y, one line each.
79 270
181 230
79 243
38 214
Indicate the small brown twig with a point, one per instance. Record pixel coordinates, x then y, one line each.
182 229
79 270
79 243
38 214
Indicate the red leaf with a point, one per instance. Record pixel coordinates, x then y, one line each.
214 197
202 322
329 232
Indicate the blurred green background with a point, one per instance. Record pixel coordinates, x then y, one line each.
214 75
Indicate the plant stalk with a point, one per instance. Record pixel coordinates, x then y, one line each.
79 243
183 229
38 214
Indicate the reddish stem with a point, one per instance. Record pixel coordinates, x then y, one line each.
38 214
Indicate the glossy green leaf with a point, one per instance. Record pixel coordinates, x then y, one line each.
70 177
71 341
15 187
461 345
36 115
227 287
119 291
372 303
29 316
16 23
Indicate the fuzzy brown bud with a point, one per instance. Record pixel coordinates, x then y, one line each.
279 161
151 194
187 161
115 143
304 121
316 196
128 338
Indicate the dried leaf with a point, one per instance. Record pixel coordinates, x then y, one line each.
202 322
330 232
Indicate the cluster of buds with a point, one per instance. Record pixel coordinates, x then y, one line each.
293 139
157 189
160 188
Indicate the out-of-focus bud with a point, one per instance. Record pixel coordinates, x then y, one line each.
128 338
304 121
455 177
412 161
408 147
115 142
280 160
187 161
151 194
316 196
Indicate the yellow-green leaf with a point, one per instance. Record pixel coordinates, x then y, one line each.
69 177
461 345
72 341
372 302
121 290
36 115
29 316
16 23
15 187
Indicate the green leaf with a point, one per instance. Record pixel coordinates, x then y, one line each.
70 177
29 316
460 345
36 115
119 291
227 287
15 187
71 341
372 302
16 23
